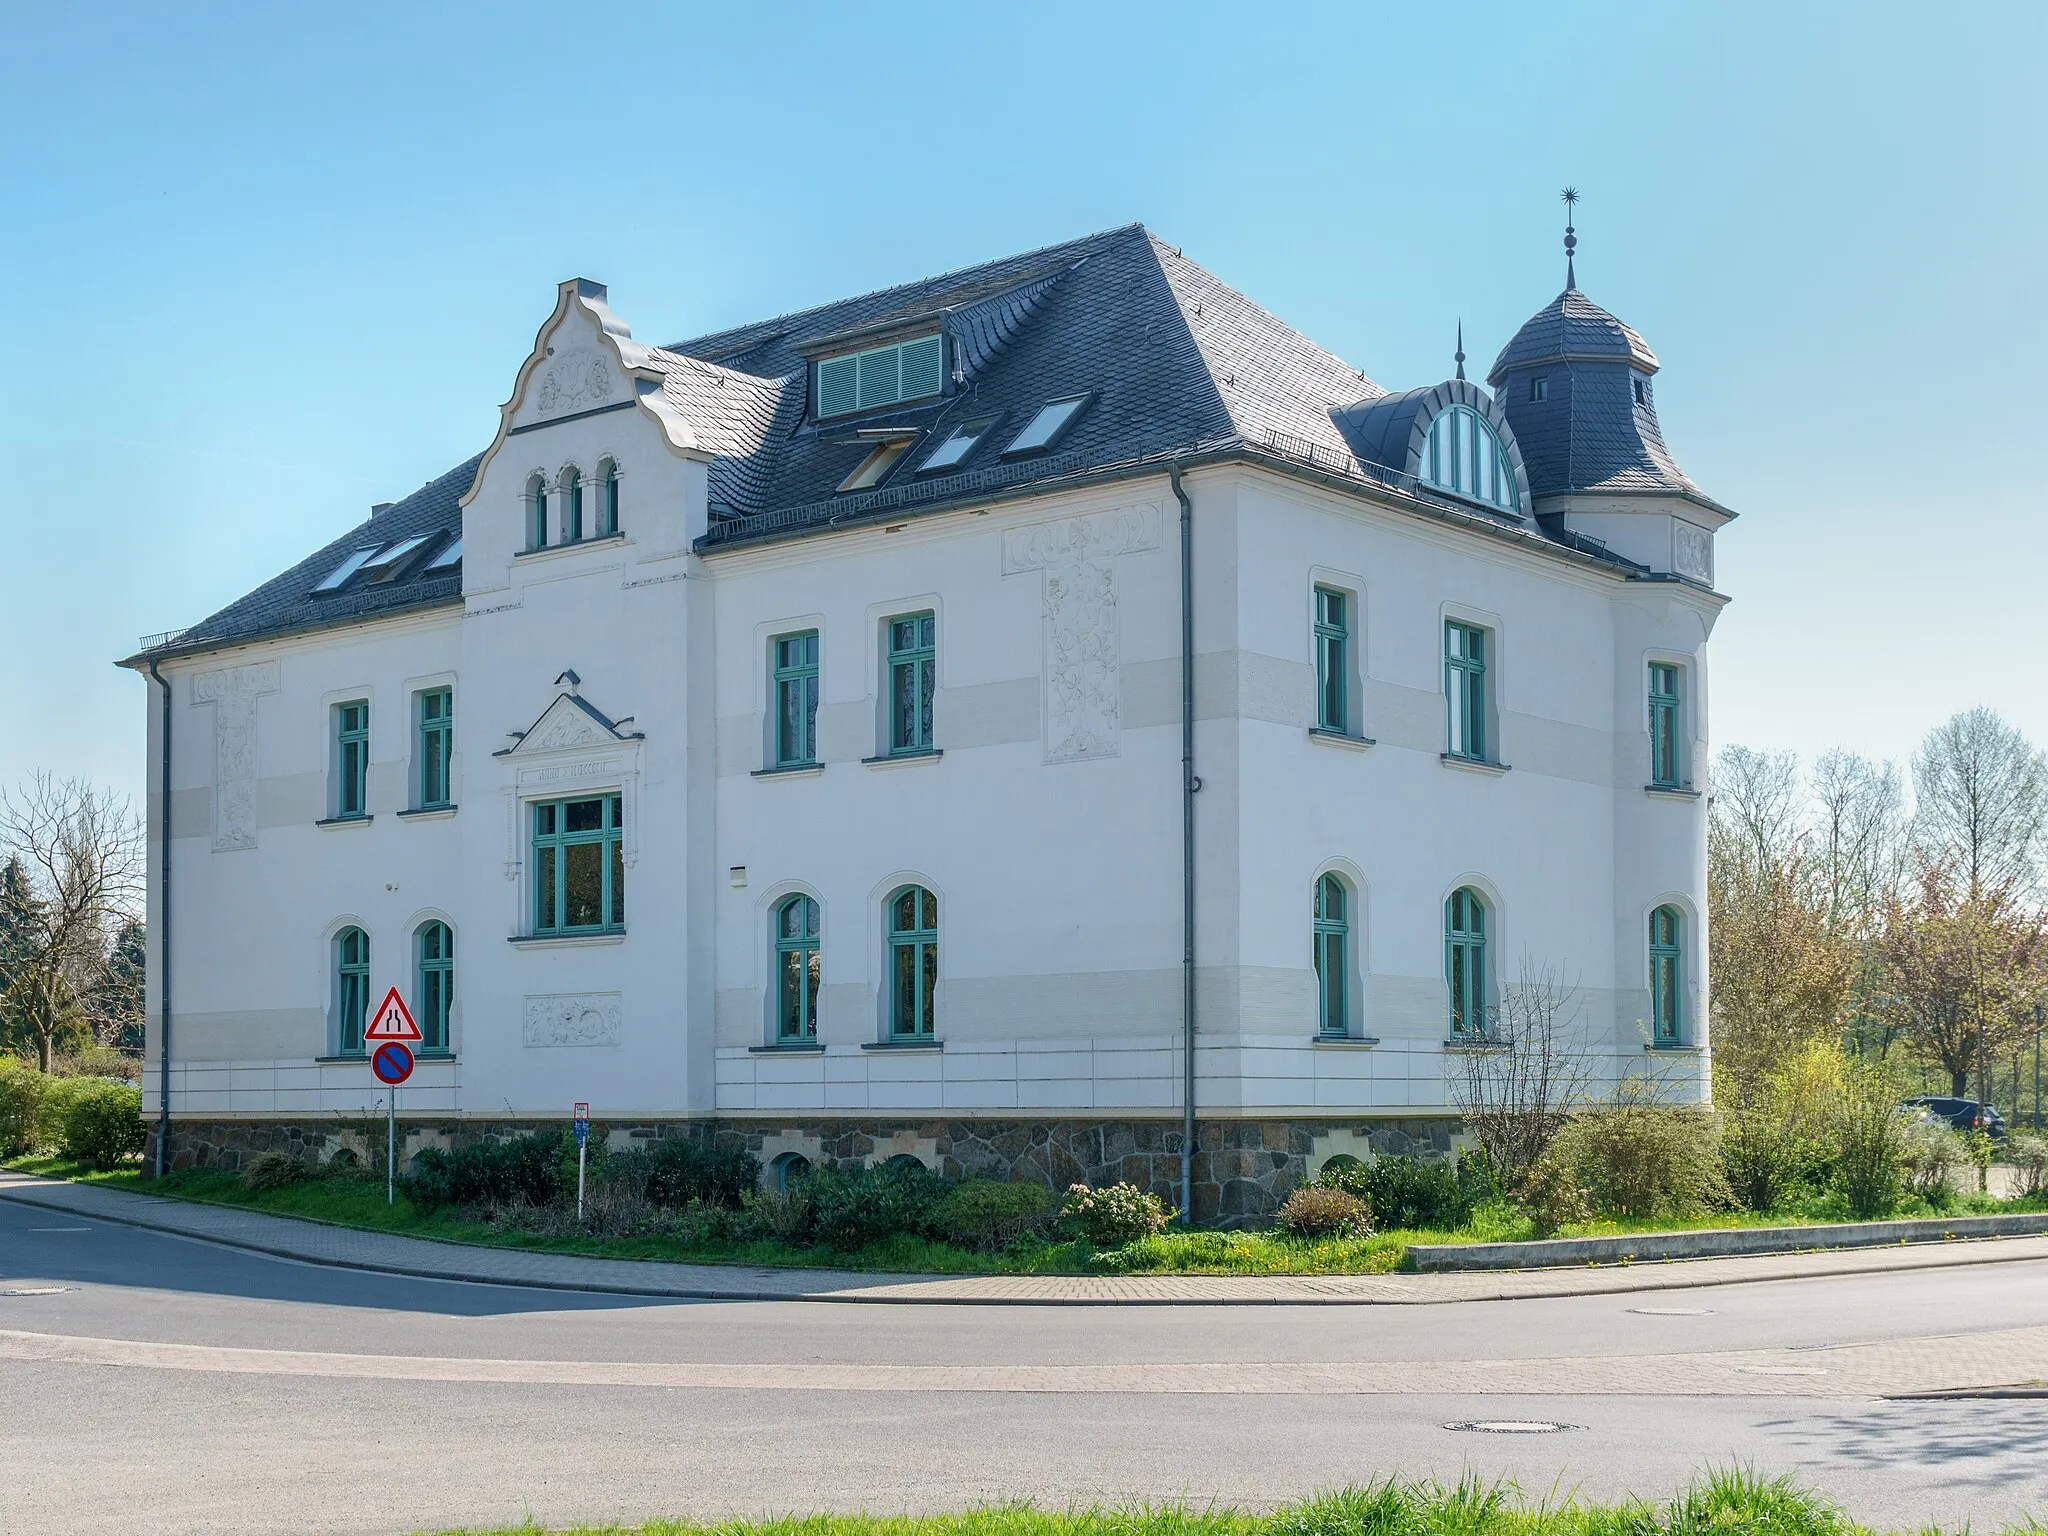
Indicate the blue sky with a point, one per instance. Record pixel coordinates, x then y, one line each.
270 264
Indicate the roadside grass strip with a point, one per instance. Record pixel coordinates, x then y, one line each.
1734 1501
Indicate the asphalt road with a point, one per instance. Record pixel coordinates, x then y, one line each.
306 1399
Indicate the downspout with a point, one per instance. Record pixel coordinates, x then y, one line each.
163 938
1189 786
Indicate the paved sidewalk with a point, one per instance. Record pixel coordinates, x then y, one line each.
318 1243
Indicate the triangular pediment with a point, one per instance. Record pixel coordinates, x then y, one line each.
570 724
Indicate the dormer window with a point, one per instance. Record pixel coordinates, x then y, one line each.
878 376
1465 456
1642 391
957 445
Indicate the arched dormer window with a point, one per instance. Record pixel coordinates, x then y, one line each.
1465 456
607 499
572 505
536 513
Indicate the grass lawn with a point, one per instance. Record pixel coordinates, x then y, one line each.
1725 1503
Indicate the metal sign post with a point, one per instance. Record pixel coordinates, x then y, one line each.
391 1153
393 1034
582 1124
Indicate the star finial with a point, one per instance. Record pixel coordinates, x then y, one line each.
1571 239
1461 346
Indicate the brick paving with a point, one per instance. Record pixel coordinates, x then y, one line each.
319 1243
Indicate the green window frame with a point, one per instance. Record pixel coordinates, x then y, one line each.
1464 455
1667 970
799 970
579 866
1333 660
796 699
435 712
608 500
913 673
1465 688
877 376
434 989
1465 962
572 505
537 513
1333 956
352 760
913 963
351 990
1667 763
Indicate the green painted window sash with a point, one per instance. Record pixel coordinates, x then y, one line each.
352 989
860 381
912 680
796 699
797 971
537 515
436 747
1665 963
913 953
435 958
351 758
609 505
1465 962
572 507
1332 956
1333 636
551 866
1465 687
1665 772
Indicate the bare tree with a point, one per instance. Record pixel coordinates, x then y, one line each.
81 853
1755 812
1861 839
1516 1084
1982 799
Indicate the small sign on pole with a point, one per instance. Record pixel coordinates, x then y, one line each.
393 1033
581 1120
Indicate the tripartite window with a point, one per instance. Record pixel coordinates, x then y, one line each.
1667 1016
1667 763
1333 664
536 513
436 748
859 381
1464 455
1465 689
579 866
1465 960
607 499
352 759
351 989
1333 956
913 962
434 990
798 970
572 505
796 699
913 641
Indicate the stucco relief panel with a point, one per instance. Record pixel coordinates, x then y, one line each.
576 378
233 692
572 1018
1081 638
1692 551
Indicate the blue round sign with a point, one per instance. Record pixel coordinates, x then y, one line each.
392 1063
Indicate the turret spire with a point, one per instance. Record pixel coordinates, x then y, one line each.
1461 346
1571 239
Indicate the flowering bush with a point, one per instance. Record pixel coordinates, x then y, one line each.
1118 1214
1318 1211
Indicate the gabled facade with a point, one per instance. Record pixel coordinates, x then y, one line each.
780 736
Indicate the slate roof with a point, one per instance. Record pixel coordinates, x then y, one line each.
1173 362
1571 327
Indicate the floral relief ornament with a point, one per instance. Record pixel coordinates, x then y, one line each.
576 380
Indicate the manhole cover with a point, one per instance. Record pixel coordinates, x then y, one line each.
38 1290
1781 1370
1511 1426
1673 1311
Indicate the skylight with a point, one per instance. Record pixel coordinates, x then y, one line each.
452 555
385 564
878 463
346 569
958 446
1042 430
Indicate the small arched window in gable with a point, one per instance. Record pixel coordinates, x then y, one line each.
607 499
1465 456
536 513
572 505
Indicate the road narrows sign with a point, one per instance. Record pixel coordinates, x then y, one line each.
393 1021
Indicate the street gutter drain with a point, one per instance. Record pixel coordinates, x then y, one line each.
1510 1426
1672 1311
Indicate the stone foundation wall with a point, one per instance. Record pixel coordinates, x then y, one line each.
1243 1169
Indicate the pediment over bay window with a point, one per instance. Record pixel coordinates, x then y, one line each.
570 724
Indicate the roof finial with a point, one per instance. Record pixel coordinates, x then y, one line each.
1571 239
1461 346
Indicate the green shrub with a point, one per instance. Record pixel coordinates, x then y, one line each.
276 1170
526 1169
1410 1193
1316 1210
1933 1154
1114 1215
1638 1159
985 1215
2028 1155
1872 1142
1550 1192
851 1208
675 1172
24 1099
98 1061
103 1125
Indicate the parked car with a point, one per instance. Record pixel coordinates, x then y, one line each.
1963 1114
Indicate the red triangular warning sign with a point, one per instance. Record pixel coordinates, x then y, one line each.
393 1021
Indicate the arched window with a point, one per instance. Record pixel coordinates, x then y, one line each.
787 1169
1667 1013
1465 456
351 989
434 989
797 971
608 499
1333 956
572 505
536 513
1465 960
913 962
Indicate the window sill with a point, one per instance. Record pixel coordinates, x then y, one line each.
358 1059
1339 738
1461 1044
1675 1048
570 546
427 813
933 1044
1671 792
345 821
1472 764
564 940
791 771
900 759
1345 1042
795 1048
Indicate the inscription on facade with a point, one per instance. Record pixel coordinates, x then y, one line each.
233 693
573 1018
